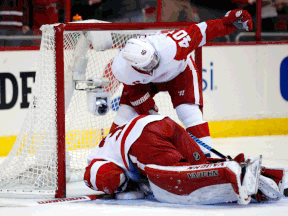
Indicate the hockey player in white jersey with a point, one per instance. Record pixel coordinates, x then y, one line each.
162 62
157 148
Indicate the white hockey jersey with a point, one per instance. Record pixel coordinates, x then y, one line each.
115 146
173 48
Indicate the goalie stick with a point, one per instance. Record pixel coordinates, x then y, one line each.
31 203
199 142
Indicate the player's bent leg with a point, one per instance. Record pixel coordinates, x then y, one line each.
105 176
200 184
191 117
201 131
125 113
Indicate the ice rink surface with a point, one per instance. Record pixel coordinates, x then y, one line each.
273 149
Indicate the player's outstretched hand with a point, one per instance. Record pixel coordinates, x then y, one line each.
239 18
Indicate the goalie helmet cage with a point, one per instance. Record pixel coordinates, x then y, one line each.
58 132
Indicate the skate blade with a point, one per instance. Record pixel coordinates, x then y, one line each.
274 194
258 172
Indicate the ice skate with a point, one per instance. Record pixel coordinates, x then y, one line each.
251 169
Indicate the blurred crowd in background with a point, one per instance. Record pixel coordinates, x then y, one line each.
25 17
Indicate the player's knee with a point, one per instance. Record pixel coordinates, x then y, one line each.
105 176
189 114
124 114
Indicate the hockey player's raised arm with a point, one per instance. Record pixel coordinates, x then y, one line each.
235 19
197 35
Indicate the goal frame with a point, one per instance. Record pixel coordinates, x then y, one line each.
60 90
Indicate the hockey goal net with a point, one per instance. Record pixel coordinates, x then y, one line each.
58 132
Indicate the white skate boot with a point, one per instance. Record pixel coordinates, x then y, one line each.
251 169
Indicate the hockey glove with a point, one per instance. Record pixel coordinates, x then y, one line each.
144 104
241 19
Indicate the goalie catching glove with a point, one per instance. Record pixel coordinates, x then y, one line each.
241 19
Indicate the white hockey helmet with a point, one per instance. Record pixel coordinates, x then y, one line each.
140 54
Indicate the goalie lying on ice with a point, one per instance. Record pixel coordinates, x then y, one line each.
155 151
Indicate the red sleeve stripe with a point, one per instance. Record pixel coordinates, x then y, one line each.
202 26
126 133
193 67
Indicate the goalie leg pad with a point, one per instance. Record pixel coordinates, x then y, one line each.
198 184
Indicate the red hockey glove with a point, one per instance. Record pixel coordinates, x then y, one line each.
144 104
108 177
241 19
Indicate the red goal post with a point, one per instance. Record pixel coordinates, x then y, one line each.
60 69
58 124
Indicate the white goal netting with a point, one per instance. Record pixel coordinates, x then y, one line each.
30 170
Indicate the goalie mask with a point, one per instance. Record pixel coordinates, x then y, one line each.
140 54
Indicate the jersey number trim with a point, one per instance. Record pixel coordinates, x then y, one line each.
182 38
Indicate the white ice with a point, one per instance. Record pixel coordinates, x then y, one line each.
273 149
